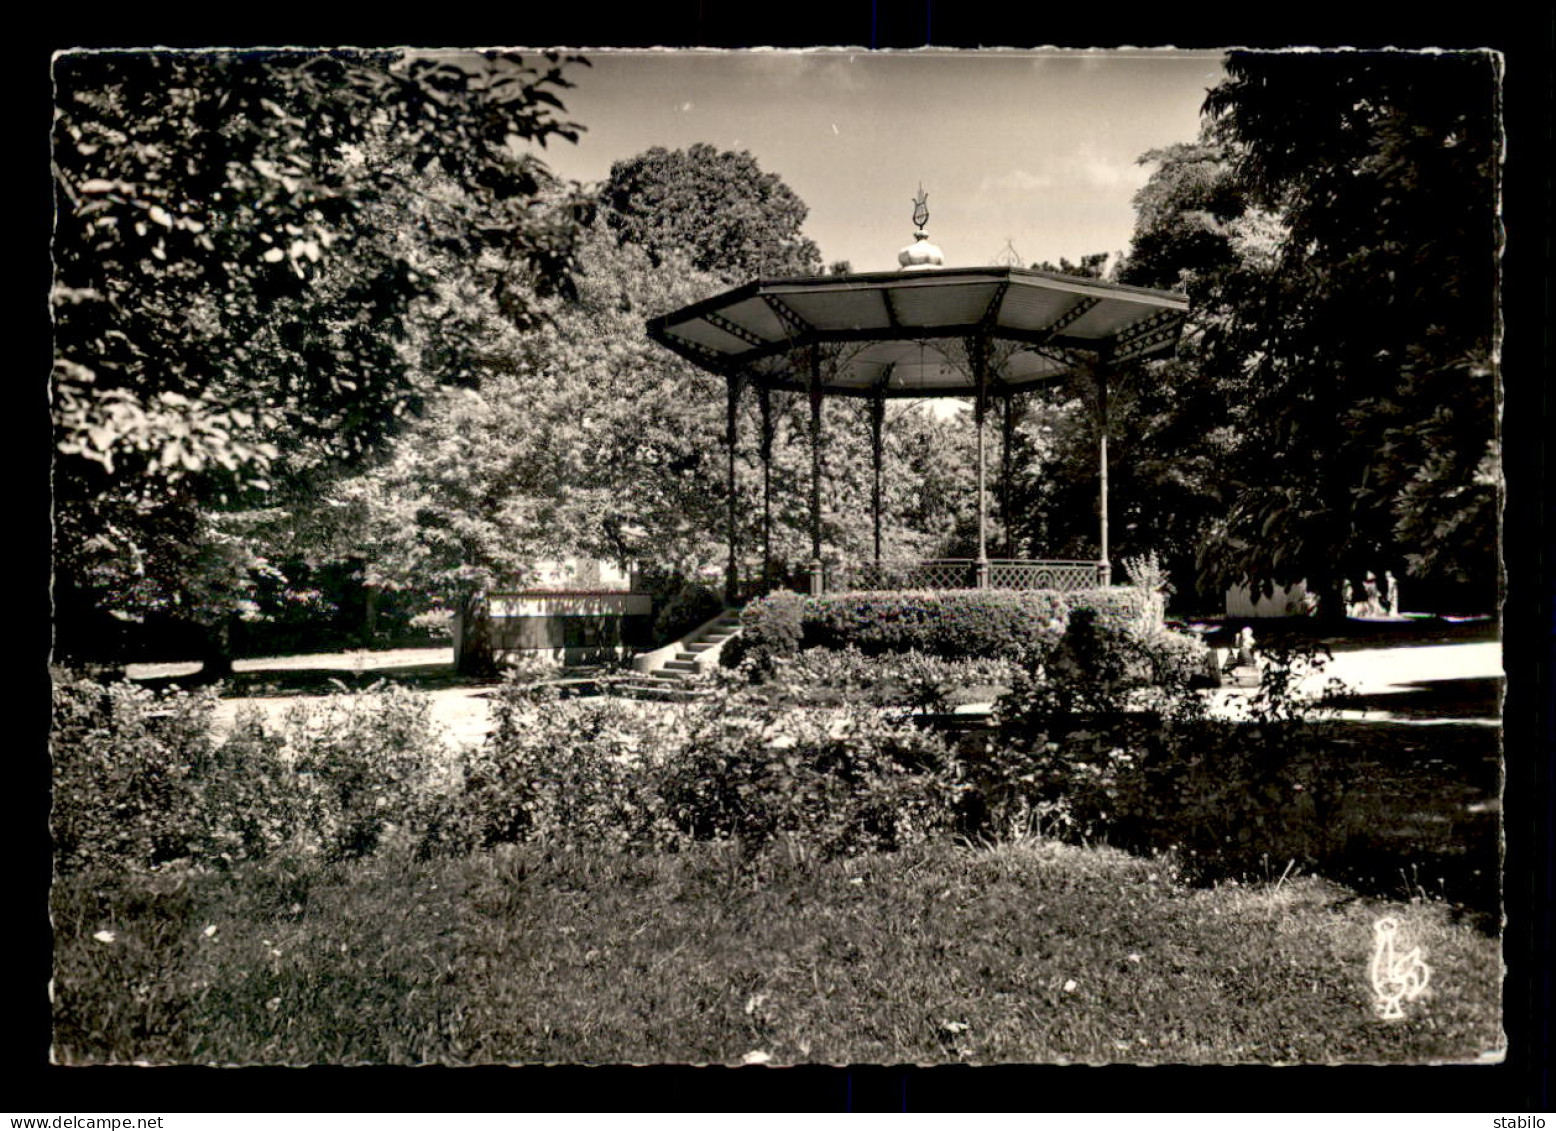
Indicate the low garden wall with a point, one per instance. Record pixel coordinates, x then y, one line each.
567 626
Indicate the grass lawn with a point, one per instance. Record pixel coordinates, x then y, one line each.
1418 815
1027 953
1034 952
1422 813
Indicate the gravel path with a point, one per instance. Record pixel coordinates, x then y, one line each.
353 661
1382 674
465 711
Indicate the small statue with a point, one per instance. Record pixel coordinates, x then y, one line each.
1370 588
1245 648
1392 584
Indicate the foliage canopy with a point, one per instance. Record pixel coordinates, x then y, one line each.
234 293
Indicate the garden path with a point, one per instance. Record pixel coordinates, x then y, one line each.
1419 684
1407 684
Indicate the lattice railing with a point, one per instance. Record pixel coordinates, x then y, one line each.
1011 574
962 573
932 573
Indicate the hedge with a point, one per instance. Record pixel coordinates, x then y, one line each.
953 624
143 780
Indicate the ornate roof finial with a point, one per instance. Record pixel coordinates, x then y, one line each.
920 254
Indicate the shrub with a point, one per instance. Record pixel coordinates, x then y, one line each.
608 774
126 761
1174 658
1080 714
566 771
686 607
1100 666
822 783
140 781
827 677
365 764
770 628
1096 745
953 624
336 780
253 802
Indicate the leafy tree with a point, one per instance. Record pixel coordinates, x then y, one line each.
234 300
1185 217
1090 267
718 209
1363 354
583 437
576 437
1329 409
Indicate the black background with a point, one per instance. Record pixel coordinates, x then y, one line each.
1522 1084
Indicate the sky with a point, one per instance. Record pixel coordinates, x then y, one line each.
1039 149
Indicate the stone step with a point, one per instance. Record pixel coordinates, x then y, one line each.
666 673
679 665
698 646
668 692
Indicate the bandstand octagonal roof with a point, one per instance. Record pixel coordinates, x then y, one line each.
909 333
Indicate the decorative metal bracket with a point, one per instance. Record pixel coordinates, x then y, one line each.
734 329
1142 337
796 325
1069 317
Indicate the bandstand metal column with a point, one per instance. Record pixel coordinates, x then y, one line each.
732 438
765 401
815 390
1104 566
877 424
1007 429
980 360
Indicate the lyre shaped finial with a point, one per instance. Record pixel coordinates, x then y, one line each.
921 207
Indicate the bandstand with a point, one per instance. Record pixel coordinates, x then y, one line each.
988 333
